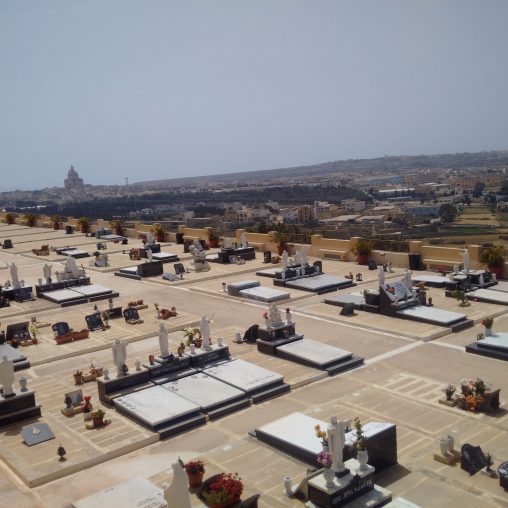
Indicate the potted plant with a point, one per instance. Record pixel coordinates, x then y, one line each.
363 250
213 239
84 222
361 444
55 220
98 418
30 219
461 297
487 323
222 490
493 257
159 231
9 218
195 471
193 336
118 226
281 239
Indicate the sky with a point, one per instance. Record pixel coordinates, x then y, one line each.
151 89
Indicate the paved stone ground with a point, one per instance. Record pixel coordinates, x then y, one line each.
400 382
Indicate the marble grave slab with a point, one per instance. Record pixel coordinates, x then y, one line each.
316 352
262 294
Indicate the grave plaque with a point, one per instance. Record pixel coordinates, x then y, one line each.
472 459
179 268
17 331
36 433
23 294
61 328
131 314
94 322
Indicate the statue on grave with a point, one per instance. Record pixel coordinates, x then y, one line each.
303 255
150 240
197 245
14 275
72 267
149 255
119 356
163 340
336 442
46 270
381 275
285 260
274 315
205 332
243 240
7 376
407 279
176 493
465 260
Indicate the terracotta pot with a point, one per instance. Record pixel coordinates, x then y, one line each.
198 342
363 259
214 244
195 479
78 379
56 227
498 270
160 237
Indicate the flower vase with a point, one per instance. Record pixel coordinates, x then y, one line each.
329 476
363 457
488 332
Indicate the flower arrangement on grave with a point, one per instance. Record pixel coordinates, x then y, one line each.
98 417
449 390
361 439
195 471
193 335
224 489
473 392
325 459
321 434
488 322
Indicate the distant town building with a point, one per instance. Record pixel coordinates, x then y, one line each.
73 181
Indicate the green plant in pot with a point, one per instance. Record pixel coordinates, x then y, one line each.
213 239
493 257
30 219
118 226
363 250
9 218
98 417
281 239
159 231
55 220
84 223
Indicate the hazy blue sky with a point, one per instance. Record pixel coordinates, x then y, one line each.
149 89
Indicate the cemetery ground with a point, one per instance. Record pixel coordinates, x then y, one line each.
406 365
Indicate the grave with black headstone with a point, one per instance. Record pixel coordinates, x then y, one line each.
348 309
472 459
7 244
179 269
131 315
94 322
61 328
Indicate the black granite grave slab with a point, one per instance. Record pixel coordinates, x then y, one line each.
19 407
110 388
